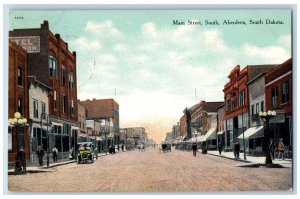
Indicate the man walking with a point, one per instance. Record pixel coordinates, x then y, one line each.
194 148
40 154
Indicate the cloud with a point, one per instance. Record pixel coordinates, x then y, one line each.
120 48
85 43
103 29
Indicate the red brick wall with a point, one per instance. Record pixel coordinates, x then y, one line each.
17 57
182 125
273 79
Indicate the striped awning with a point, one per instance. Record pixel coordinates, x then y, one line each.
210 135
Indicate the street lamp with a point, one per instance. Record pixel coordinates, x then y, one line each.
18 121
267 116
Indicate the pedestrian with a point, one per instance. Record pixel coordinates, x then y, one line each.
54 153
238 147
220 147
194 148
18 164
22 156
118 148
280 148
234 149
122 147
272 149
40 154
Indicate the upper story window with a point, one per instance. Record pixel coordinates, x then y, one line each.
35 109
72 107
262 106
52 67
257 107
20 76
55 102
274 94
20 106
285 92
64 104
71 80
242 98
43 110
228 105
233 103
63 75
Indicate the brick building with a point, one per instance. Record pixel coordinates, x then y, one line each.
18 136
51 62
105 111
237 102
278 96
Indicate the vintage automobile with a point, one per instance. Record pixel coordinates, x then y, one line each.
86 152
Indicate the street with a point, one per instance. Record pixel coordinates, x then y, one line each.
154 171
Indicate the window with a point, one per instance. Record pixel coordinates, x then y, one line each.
52 67
63 75
274 94
71 80
20 76
262 106
43 110
20 106
64 103
252 109
257 108
285 92
35 109
233 103
54 104
72 107
228 105
242 97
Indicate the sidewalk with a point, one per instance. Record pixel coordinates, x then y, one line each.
33 167
253 160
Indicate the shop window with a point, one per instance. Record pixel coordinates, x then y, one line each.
262 106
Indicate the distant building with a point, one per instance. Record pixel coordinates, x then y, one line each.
106 112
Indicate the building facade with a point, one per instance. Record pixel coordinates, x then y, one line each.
237 102
278 91
82 113
38 110
18 135
51 62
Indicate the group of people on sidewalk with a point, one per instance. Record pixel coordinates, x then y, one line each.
279 147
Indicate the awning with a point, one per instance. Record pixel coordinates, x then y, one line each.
220 133
210 135
192 140
75 128
57 124
253 132
199 138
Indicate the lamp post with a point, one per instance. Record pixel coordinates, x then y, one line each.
267 116
18 121
46 116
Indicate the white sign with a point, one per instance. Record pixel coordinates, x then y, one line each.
30 43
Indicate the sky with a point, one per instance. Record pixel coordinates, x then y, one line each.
153 68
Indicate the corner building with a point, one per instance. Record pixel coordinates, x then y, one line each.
51 62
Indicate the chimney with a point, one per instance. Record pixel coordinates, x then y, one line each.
45 25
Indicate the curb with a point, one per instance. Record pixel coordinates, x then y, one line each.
240 160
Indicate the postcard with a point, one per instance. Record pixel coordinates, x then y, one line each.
142 100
